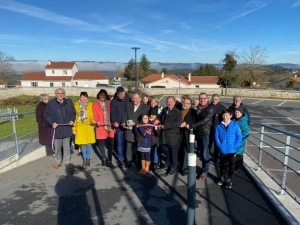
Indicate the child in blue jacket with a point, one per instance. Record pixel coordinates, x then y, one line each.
228 138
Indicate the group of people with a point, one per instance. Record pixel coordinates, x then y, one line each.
142 133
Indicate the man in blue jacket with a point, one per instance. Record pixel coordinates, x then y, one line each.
228 138
117 110
60 114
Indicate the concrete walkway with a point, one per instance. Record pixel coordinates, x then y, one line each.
35 193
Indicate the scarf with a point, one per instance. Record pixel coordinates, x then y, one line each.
83 113
200 107
106 116
184 112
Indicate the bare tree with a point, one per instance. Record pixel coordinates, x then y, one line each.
252 60
5 67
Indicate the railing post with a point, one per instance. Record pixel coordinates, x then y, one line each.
15 135
191 190
261 144
285 164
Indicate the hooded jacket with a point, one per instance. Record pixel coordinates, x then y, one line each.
243 124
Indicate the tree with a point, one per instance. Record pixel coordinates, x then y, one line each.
252 61
229 63
129 70
144 67
206 70
5 67
290 84
164 70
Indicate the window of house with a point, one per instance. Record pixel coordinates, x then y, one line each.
53 72
64 71
196 86
63 84
34 84
51 85
76 83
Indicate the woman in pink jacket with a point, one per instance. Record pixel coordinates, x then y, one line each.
104 130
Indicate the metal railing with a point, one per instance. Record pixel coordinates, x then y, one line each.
275 152
13 145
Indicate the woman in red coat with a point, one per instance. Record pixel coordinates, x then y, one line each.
43 127
104 130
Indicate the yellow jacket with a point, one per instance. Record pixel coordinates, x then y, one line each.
85 132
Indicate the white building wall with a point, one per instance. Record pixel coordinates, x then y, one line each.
74 70
59 72
167 83
46 83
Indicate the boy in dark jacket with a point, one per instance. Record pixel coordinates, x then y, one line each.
228 138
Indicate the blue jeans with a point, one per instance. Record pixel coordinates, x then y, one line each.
120 145
153 154
203 149
86 151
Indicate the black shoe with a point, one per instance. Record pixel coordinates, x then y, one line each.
88 162
128 164
156 166
228 183
121 164
184 172
172 171
103 162
109 164
79 153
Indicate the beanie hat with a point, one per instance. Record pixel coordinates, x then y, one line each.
153 111
240 109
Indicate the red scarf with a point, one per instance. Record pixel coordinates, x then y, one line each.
200 107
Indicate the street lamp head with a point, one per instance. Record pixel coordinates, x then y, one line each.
135 48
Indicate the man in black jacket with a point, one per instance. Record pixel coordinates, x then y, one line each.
219 109
203 124
237 102
170 122
117 110
60 114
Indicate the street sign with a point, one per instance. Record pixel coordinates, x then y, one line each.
179 77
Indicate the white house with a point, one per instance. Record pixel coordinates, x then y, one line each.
63 74
282 83
173 81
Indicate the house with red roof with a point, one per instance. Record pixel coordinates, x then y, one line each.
174 81
63 74
120 76
279 85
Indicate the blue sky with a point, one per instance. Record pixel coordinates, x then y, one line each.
165 30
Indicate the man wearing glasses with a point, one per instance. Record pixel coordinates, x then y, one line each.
202 125
60 114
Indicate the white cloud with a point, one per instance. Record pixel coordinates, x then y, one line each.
238 16
56 18
296 4
80 41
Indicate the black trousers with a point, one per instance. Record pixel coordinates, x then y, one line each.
49 150
110 143
172 155
239 161
227 165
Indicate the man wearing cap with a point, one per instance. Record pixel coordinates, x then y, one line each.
237 102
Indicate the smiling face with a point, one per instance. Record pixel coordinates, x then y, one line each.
136 99
203 99
153 103
60 94
237 102
170 103
226 117
83 99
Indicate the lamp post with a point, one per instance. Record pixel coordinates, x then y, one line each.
226 82
135 72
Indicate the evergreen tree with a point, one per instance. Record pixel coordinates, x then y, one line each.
164 70
129 70
206 70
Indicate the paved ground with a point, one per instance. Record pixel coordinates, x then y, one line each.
37 194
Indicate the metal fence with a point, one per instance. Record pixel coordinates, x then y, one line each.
276 152
12 144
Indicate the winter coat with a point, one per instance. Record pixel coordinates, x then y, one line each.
117 109
218 109
204 121
101 132
60 114
228 139
184 132
44 128
135 117
171 121
244 126
85 131
144 145
233 107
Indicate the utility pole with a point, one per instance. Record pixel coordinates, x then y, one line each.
226 82
135 70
